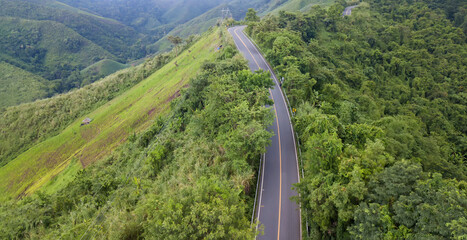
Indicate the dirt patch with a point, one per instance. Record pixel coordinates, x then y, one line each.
176 94
151 111
89 132
99 149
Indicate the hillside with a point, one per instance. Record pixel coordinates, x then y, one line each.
26 86
112 123
46 48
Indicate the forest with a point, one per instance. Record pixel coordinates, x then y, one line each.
190 175
381 99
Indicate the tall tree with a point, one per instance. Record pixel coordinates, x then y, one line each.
251 15
175 40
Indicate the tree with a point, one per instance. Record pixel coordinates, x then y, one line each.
175 40
251 15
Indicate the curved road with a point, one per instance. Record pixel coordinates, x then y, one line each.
279 215
348 10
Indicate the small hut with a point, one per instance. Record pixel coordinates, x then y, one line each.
86 121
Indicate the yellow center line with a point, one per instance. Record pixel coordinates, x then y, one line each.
239 38
280 169
279 139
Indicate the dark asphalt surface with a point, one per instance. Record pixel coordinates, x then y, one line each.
279 215
348 10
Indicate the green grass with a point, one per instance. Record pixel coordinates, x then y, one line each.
18 86
112 123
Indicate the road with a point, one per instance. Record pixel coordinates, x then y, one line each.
279 215
348 10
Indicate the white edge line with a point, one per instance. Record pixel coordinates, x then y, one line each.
257 187
261 192
291 128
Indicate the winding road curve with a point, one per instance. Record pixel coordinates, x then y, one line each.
279 215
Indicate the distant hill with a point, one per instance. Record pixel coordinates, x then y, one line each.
201 23
18 85
101 69
111 35
300 5
47 48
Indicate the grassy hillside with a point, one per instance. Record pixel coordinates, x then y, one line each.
112 124
30 123
18 85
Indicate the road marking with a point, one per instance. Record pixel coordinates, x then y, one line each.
261 192
291 129
280 169
254 59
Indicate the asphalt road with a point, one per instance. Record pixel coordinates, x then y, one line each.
279 215
348 10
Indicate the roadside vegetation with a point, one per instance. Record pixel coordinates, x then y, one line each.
381 114
191 174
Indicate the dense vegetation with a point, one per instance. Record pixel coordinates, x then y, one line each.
381 113
190 175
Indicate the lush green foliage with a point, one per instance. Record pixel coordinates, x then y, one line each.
190 175
381 112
